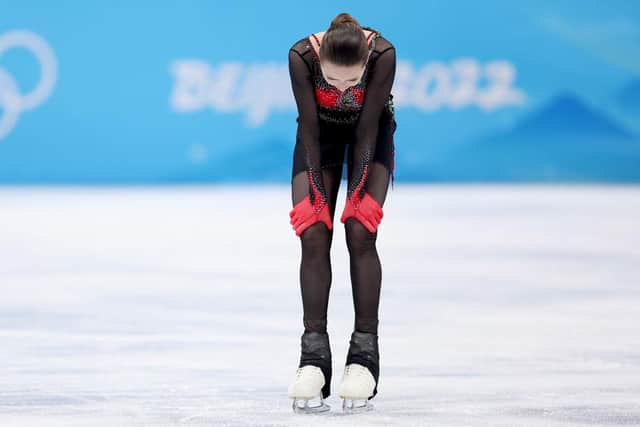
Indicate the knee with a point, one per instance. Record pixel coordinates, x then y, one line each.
316 240
359 239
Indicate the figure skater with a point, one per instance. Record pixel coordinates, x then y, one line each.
341 80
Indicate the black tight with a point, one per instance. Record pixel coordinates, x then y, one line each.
315 266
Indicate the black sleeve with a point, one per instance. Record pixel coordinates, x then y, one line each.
378 88
308 123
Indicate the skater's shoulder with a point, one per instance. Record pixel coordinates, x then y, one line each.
382 44
383 53
301 46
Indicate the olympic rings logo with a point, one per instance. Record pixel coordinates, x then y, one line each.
12 102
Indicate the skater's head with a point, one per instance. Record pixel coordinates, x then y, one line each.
343 52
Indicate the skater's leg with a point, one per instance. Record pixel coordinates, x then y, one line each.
313 377
315 265
366 272
362 367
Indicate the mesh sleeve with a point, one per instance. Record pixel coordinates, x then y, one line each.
378 89
308 125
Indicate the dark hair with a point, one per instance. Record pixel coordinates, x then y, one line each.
344 42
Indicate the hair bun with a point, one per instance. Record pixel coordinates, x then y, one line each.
344 18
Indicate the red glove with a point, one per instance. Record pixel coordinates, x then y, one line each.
366 210
304 214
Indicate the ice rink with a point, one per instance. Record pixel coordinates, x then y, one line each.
501 306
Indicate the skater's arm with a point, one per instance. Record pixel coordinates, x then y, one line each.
308 124
377 93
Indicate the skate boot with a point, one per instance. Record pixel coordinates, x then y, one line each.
360 380
312 383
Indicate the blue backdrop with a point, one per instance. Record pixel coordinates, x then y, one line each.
198 91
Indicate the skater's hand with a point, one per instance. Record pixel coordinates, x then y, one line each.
304 214
366 210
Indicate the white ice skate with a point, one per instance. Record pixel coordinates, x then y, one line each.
356 387
306 391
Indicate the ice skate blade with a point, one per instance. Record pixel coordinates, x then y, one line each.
356 406
301 406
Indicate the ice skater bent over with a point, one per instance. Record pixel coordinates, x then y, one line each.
341 80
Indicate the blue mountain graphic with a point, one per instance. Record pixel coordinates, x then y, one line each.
565 140
567 116
628 98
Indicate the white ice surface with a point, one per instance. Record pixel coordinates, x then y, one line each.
500 306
